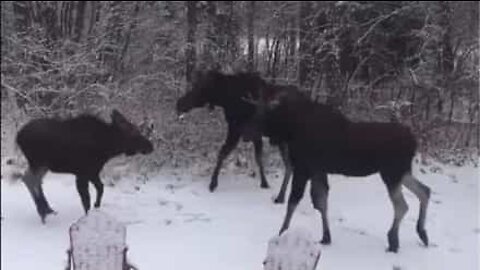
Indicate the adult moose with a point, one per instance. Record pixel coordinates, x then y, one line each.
228 91
322 141
80 146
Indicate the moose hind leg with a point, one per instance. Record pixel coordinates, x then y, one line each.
99 187
319 195
288 173
298 188
400 208
82 188
33 181
258 145
423 194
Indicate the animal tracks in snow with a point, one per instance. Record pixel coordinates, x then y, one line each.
176 205
184 217
356 230
195 217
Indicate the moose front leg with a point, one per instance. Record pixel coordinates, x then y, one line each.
82 188
258 145
288 173
99 187
232 140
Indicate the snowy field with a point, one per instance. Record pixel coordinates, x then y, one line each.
174 222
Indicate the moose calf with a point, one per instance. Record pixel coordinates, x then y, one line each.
80 146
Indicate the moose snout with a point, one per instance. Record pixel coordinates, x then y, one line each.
147 149
180 112
250 133
247 138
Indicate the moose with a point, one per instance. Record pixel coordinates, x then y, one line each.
80 146
323 141
212 88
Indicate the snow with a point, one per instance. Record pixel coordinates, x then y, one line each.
174 222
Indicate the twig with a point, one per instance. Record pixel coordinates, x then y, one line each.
381 19
18 92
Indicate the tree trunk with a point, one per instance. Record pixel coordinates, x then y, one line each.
128 35
250 30
64 19
291 47
69 19
22 11
231 33
190 52
79 21
304 10
447 48
91 17
275 56
110 53
210 50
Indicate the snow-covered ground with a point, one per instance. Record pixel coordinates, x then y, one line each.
174 222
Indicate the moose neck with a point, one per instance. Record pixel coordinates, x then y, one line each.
298 116
115 144
218 95
230 89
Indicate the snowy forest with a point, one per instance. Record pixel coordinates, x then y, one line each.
409 62
412 62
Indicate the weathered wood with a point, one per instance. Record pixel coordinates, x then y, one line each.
295 249
97 242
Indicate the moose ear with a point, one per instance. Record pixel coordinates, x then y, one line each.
275 100
256 74
196 75
118 118
216 67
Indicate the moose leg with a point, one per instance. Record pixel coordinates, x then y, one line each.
99 187
319 194
232 140
400 208
298 188
48 209
258 145
423 194
82 188
33 180
288 173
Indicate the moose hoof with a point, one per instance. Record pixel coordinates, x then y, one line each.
265 185
282 230
423 236
44 214
326 240
212 187
279 200
393 243
43 218
392 249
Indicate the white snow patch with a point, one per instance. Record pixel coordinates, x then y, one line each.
174 222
